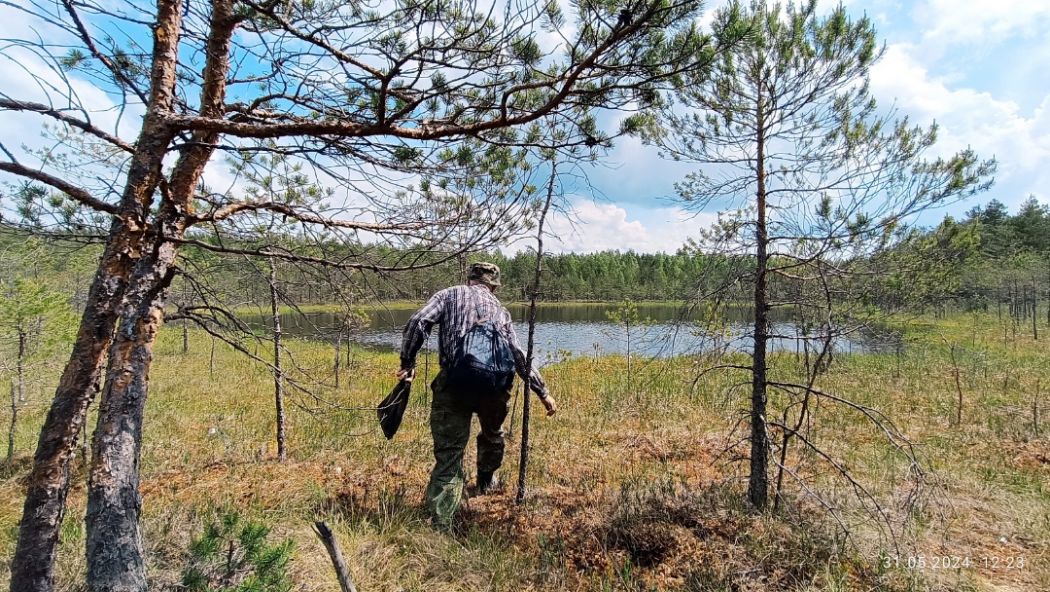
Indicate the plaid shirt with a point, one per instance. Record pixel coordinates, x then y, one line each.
456 310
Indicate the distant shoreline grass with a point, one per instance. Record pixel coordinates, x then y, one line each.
401 305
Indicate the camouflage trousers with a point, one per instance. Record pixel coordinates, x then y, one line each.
450 416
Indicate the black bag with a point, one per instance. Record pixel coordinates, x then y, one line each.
392 409
484 361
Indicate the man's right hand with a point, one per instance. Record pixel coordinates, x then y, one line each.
406 374
550 405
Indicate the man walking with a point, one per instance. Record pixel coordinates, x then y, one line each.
475 340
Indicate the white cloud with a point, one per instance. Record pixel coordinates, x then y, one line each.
951 22
992 126
554 42
600 226
916 76
28 77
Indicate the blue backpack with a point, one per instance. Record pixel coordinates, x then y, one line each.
484 360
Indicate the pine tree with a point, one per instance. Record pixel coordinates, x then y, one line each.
785 127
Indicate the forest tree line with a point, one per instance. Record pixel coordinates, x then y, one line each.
987 260
970 262
973 262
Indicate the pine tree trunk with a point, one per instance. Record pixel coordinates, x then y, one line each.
115 561
14 423
523 463
20 366
278 373
85 451
1035 312
48 482
758 478
349 350
338 355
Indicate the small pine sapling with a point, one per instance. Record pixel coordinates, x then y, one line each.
233 555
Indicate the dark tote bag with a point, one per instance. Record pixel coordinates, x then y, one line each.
392 408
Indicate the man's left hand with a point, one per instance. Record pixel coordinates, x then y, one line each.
550 405
406 374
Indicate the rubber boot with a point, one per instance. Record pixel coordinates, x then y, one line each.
487 482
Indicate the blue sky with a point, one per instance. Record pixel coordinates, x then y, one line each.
976 67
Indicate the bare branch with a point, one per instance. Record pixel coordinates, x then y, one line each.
287 210
15 105
74 192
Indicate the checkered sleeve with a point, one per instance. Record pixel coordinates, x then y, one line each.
535 380
418 327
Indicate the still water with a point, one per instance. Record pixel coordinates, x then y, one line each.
586 330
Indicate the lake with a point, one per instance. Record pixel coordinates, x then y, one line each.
584 329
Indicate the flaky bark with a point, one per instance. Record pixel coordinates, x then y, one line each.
48 482
14 423
130 284
115 556
114 544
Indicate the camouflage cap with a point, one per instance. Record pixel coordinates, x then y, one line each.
486 273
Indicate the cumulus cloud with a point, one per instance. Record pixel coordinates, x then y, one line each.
1010 122
991 125
985 21
28 77
591 226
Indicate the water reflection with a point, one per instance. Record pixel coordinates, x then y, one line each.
585 329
